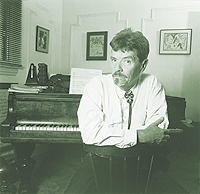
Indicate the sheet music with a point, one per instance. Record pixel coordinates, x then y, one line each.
80 77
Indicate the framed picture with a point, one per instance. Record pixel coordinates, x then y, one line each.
42 39
97 46
175 41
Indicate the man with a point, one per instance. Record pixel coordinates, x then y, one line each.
118 112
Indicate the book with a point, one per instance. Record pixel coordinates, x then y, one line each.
21 88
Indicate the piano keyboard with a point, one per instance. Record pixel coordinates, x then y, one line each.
47 127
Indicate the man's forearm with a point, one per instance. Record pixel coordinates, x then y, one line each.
153 134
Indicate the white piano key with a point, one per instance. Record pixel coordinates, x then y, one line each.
55 127
20 127
50 128
17 127
60 128
37 127
44 128
27 127
41 127
74 128
47 127
31 127
77 128
64 127
69 128
34 127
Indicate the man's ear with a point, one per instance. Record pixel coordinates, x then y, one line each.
144 64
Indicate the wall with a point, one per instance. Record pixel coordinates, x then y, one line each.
47 14
179 74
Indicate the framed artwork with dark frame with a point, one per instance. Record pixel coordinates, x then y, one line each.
175 41
42 39
97 46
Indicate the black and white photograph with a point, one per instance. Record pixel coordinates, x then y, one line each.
99 97
175 41
42 39
97 45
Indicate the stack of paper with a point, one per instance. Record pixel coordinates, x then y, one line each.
26 89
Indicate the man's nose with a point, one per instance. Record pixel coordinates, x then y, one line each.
118 66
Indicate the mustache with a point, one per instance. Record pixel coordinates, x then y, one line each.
118 74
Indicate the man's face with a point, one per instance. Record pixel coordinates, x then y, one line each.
125 68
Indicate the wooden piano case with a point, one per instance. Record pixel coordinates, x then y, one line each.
41 108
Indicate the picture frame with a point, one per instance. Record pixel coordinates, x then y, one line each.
42 39
97 46
175 41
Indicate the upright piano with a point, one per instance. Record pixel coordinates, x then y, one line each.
52 118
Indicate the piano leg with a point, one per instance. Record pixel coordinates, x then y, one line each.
24 164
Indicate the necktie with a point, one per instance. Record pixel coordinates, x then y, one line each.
129 97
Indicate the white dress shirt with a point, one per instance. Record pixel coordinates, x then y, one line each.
103 111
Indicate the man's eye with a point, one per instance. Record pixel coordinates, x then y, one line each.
113 60
128 61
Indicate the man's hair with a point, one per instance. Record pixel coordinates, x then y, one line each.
127 40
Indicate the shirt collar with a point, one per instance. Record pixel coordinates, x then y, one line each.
119 92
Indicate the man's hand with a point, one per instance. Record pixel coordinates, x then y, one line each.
154 134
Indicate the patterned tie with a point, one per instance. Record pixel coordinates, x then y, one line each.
129 97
